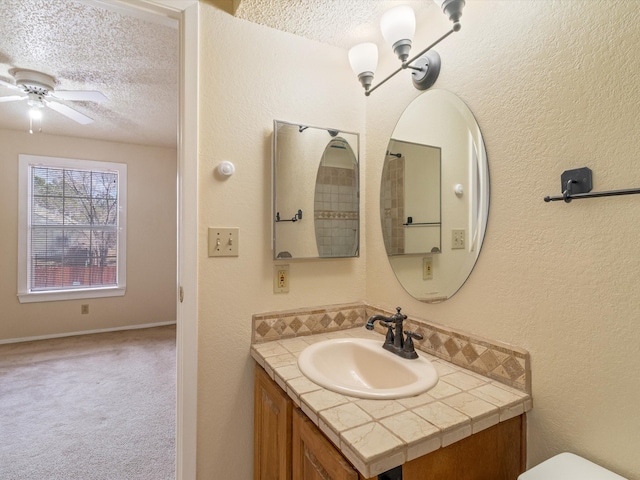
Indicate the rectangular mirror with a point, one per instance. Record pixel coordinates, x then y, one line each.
316 192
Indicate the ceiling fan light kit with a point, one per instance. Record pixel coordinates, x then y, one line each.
39 90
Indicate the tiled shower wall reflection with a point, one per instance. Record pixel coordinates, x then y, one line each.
392 205
336 212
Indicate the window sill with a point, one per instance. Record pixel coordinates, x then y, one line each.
30 297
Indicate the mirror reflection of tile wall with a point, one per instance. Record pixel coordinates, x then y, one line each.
336 211
392 199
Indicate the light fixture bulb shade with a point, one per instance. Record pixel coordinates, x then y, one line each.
35 113
363 58
398 24
452 9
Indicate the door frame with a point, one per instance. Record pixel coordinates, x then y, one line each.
186 14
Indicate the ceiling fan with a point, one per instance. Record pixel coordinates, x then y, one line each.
38 89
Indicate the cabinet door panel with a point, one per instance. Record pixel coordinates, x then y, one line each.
272 430
496 453
314 457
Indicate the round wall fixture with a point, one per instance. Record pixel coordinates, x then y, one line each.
226 168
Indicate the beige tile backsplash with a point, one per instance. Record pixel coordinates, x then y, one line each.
505 363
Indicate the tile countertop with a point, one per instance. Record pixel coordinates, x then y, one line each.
377 435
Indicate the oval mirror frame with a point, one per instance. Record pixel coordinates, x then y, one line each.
436 123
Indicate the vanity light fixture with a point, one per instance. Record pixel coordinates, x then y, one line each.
398 27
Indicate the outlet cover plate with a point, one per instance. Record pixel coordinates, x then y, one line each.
281 279
427 268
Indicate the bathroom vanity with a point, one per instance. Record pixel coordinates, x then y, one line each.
467 427
288 445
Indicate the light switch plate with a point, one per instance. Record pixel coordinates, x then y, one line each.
223 242
457 239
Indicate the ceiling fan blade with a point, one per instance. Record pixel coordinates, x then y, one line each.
9 85
69 112
12 98
80 95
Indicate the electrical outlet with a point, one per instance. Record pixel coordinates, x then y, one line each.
427 268
281 279
457 239
84 309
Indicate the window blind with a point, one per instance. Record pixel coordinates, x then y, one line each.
73 225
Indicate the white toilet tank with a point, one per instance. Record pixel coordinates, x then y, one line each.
567 466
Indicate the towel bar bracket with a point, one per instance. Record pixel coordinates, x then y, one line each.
578 180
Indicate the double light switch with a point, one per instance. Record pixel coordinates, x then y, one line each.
223 242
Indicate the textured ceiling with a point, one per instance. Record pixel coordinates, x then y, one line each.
342 23
133 61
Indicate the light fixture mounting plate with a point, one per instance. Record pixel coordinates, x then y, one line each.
429 63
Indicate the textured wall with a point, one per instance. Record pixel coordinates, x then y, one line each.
151 244
251 75
554 86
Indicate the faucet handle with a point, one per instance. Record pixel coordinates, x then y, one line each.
389 337
415 335
409 350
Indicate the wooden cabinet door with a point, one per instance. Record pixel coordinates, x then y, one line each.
314 457
497 453
271 429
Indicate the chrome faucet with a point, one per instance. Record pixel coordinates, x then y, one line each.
395 341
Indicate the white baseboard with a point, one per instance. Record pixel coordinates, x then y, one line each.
86 332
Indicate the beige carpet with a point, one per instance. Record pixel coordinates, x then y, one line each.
91 407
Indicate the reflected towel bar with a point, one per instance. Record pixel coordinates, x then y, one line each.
411 224
577 184
295 218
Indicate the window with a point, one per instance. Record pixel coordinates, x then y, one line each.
72 229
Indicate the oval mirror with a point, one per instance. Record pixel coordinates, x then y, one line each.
336 201
434 196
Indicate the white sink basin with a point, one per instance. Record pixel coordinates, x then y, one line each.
362 368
